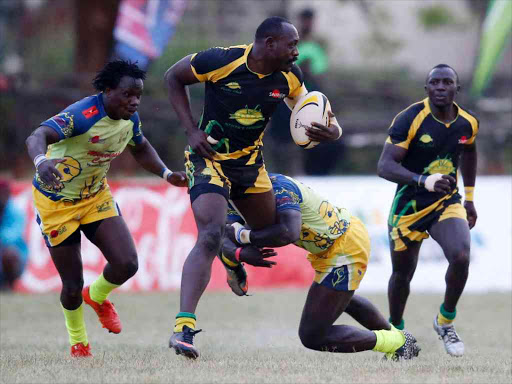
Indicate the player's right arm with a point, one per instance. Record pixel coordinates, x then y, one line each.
177 78
395 149
37 144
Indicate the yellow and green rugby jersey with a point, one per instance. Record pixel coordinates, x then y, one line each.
89 141
239 102
432 147
322 222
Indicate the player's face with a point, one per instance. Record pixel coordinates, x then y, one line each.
123 101
442 87
286 52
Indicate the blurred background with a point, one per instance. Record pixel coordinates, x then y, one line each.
369 57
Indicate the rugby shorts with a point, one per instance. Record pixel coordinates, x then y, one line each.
60 219
406 229
232 178
343 265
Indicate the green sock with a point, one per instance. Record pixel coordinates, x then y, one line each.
444 317
388 341
184 318
76 325
398 326
100 289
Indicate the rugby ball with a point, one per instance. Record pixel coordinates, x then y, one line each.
313 107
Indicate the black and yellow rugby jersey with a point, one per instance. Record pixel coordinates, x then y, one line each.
432 147
239 102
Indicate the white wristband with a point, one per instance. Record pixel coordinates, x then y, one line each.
333 120
431 181
39 159
166 173
242 235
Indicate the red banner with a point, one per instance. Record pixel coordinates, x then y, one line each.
162 224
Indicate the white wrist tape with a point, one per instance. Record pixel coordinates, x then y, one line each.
166 173
41 158
242 235
431 181
334 121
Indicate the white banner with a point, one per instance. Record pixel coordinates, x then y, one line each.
370 199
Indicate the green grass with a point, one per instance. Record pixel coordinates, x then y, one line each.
245 340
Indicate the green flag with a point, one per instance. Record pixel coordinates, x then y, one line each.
496 29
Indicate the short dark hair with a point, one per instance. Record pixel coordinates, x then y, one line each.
440 66
272 26
307 13
113 71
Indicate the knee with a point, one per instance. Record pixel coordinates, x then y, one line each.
308 338
402 277
459 256
72 288
131 266
210 238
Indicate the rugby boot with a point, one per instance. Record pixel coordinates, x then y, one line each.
236 278
80 350
409 350
183 342
452 342
106 312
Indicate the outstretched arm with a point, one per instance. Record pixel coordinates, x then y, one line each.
284 232
468 171
148 158
37 144
177 78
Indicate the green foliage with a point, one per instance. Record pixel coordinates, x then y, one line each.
436 16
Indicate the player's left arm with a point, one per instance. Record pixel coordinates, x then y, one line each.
285 231
468 171
146 155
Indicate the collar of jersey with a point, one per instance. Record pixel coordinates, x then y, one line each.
246 56
101 106
427 105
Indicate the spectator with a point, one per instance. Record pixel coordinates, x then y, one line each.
13 249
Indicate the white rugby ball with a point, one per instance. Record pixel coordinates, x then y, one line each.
313 107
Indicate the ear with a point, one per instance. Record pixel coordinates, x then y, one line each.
270 42
458 88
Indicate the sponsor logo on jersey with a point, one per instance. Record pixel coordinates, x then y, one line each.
103 207
69 169
463 140
276 94
60 231
96 140
426 140
443 166
90 112
232 87
247 116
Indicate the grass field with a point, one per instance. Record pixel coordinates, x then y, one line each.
245 340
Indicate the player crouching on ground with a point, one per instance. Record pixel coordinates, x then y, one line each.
339 249
72 152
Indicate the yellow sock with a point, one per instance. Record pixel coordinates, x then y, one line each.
100 289
181 321
76 325
388 341
441 320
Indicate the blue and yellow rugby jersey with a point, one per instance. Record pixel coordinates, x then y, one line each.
432 147
89 141
239 102
322 222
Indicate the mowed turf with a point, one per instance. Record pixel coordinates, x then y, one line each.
244 340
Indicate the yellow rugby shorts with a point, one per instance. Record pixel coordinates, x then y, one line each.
59 219
414 227
343 265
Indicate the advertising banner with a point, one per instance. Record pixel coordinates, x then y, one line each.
161 222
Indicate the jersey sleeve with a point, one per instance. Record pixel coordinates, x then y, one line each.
296 80
137 136
204 64
76 119
399 131
475 125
